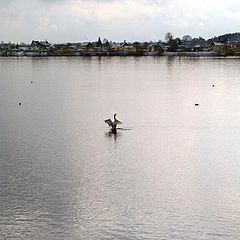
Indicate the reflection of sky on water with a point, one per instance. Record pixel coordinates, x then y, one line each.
171 171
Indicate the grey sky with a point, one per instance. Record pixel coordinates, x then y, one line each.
82 20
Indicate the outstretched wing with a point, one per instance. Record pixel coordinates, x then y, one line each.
118 122
109 122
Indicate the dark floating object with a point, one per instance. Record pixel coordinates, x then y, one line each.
196 104
113 124
20 104
213 85
31 81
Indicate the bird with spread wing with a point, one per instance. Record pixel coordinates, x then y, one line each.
113 124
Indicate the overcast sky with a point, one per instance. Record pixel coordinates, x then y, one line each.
83 20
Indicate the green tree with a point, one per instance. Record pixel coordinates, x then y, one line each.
138 48
173 46
186 38
223 50
159 49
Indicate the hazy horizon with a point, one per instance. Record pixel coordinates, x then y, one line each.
142 20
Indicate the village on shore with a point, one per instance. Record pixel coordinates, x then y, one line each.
224 45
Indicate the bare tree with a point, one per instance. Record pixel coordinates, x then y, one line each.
168 37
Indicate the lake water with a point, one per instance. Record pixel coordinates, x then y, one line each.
172 172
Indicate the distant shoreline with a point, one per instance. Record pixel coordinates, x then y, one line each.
149 54
191 54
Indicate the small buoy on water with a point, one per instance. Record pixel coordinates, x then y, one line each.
196 104
213 85
31 81
20 104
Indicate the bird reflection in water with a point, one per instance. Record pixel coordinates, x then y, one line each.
116 134
113 134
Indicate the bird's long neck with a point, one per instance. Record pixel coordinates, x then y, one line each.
114 117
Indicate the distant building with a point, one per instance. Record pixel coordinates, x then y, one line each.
218 44
124 44
99 42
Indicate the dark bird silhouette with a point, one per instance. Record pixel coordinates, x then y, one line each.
113 124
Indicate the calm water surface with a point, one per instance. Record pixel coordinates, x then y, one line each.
175 174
